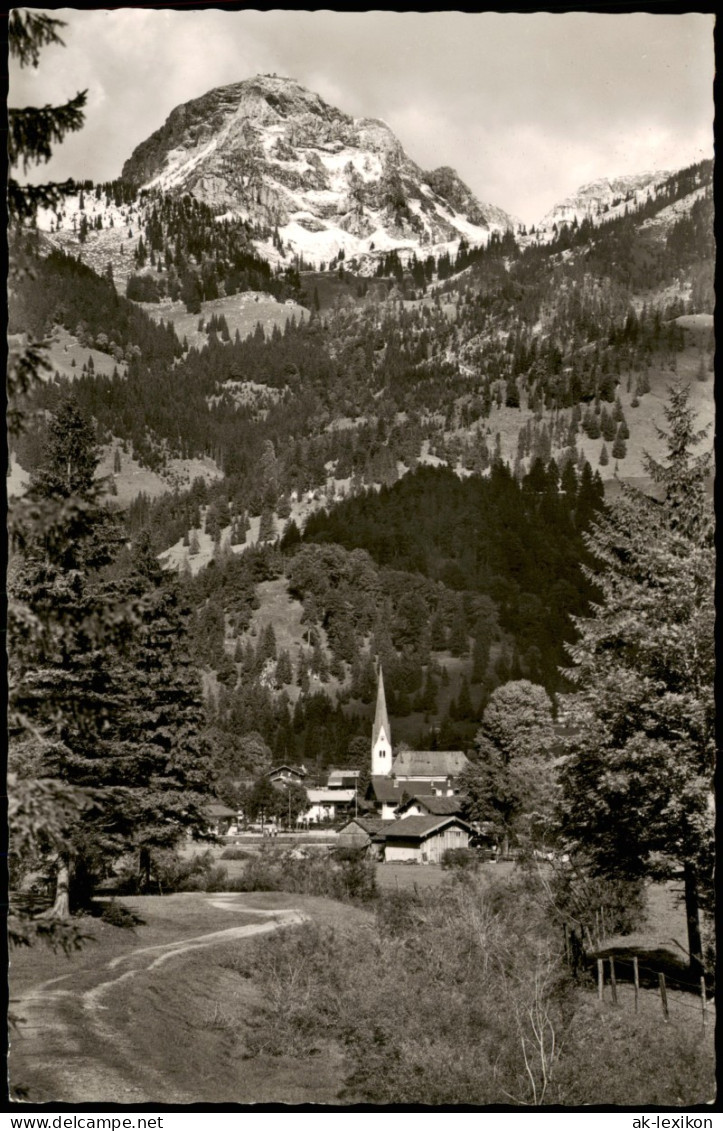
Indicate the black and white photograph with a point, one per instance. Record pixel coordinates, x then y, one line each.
361 571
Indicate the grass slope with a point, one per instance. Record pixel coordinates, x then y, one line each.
64 349
243 312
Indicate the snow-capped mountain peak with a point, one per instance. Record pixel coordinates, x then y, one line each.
318 180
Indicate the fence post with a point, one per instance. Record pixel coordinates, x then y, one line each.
613 982
704 1001
636 979
567 943
600 978
663 996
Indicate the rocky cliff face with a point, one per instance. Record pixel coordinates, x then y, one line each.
274 153
602 200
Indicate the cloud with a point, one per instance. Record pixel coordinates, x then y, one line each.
525 106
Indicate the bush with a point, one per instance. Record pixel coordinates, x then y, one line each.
429 1002
118 915
232 853
624 1060
170 873
460 858
282 870
399 912
578 895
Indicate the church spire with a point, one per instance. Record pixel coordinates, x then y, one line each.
381 735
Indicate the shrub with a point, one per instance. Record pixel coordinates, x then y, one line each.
426 1001
577 895
169 872
615 1057
460 858
118 915
143 288
398 912
281 870
232 853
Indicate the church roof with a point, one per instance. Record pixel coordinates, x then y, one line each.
429 763
381 719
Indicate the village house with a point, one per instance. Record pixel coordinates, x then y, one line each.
385 795
327 805
343 779
430 766
430 805
287 775
424 840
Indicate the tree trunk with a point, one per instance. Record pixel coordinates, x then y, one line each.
61 905
692 914
144 867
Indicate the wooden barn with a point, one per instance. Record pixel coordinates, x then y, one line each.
364 833
423 840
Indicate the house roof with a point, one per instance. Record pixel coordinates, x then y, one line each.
299 771
389 789
419 828
370 825
329 796
429 763
381 719
342 775
218 809
437 806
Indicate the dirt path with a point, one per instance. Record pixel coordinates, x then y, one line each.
71 1036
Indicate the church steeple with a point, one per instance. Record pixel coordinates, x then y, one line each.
381 735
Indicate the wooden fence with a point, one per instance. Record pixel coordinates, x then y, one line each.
582 941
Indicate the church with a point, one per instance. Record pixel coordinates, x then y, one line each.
412 772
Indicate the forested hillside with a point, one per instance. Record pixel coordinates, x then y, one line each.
521 372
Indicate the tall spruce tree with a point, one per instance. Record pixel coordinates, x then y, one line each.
638 787
106 699
38 809
67 628
165 758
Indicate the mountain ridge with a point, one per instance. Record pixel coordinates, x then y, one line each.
272 152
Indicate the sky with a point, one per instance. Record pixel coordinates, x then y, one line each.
526 107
